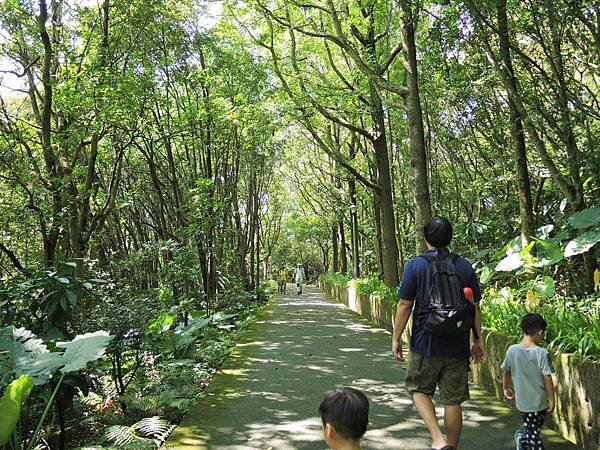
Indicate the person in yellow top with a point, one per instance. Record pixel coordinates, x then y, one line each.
283 276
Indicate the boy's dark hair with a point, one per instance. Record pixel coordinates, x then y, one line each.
347 410
532 323
438 231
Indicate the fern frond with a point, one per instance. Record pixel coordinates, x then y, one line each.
152 426
121 435
150 432
147 404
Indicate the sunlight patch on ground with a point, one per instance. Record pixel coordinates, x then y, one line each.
234 372
320 369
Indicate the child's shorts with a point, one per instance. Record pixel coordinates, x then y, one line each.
451 375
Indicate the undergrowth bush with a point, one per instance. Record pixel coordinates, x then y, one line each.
549 276
337 278
373 285
573 326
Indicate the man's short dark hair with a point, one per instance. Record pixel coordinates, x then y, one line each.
532 323
438 231
347 410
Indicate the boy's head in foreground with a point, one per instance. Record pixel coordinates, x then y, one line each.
534 326
345 415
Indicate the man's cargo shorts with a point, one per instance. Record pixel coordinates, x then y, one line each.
449 374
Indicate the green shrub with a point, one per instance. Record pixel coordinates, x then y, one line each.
573 324
337 278
373 285
266 289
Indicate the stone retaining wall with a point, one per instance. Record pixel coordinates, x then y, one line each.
577 413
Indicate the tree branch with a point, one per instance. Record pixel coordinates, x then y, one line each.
13 258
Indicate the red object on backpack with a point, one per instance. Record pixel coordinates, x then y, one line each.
468 292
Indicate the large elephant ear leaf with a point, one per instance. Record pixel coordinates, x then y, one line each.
585 218
83 349
33 358
40 368
7 355
582 243
23 353
30 342
10 406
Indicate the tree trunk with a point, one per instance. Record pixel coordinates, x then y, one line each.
518 136
343 252
567 133
335 248
415 130
45 131
354 229
564 183
389 249
378 237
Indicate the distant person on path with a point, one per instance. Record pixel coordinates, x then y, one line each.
299 277
345 416
530 369
283 276
439 346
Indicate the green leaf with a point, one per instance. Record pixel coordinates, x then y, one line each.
545 287
586 218
180 362
24 354
486 274
40 367
482 253
551 253
63 280
544 231
510 263
514 246
582 243
83 349
72 297
527 249
10 406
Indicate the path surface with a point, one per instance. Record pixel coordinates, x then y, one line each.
268 391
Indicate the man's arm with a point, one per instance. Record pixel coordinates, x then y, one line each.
403 311
478 349
549 385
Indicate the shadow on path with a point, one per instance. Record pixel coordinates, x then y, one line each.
268 391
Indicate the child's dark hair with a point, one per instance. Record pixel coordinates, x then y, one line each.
438 231
532 323
347 410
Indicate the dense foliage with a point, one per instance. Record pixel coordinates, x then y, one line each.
158 167
517 281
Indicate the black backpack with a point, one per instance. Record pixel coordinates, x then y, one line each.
446 313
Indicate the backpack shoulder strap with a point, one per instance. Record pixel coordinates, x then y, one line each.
453 258
427 257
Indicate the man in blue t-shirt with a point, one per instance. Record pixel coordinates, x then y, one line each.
436 362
